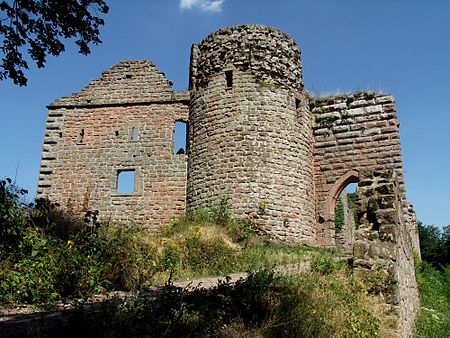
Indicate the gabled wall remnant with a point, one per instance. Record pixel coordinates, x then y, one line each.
121 122
255 136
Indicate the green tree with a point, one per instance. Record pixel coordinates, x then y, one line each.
446 243
39 26
434 244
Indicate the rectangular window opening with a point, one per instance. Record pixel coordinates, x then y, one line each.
179 138
126 181
81 136
229 78
297 103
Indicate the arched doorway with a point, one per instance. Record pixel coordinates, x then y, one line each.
344 218
338 196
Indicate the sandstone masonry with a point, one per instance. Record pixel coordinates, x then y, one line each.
255 136
121 122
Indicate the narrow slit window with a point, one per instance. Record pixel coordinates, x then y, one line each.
298 110
179 138
229 78
81 136
133 134
126 181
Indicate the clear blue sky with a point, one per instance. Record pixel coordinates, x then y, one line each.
401 47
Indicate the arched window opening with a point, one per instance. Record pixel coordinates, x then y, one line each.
179 138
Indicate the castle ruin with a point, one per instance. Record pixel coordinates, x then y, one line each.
254 135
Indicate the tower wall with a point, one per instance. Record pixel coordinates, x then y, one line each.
250 134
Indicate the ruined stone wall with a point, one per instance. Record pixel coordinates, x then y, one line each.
254 136
269 54
123 121
352 132
383 251
345 237
250 138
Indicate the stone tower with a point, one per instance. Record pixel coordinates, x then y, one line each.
250 130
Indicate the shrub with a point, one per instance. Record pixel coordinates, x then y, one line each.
325 263
261 305
12 218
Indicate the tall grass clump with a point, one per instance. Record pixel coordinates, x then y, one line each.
203 242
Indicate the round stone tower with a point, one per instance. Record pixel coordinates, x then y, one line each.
250 131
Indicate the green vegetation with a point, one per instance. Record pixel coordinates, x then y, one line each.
339 216
37 28
312 304
435 245
433 278
326 121
48 255
263 84
434 290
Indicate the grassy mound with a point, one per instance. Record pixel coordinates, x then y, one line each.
49 255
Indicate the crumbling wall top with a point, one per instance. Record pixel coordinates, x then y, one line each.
135 81
271 55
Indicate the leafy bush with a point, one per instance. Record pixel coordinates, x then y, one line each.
12 219
97 257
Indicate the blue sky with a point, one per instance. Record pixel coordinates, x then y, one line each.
399 47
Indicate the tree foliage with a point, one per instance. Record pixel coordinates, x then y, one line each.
39 26
11 217
435 244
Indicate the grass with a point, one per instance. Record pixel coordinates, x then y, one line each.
198 245
434 290
311 304
91 257
47 256
54 256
